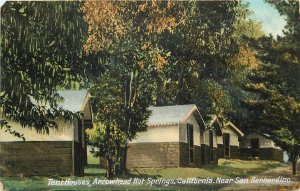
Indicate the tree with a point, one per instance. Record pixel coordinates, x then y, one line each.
209 58
126 34
276 108
285 55
41 51
175 50
118 122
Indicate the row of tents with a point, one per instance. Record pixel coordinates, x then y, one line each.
177 136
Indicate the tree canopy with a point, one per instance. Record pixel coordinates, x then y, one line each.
41 52
276 107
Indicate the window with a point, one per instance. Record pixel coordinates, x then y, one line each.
190 138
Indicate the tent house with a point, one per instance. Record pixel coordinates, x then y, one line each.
173 139
229 142
209 148
228 137
61 152
257 145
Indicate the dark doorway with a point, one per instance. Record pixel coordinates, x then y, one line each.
226 143
211 146
254 147
203 153
79 150
190 136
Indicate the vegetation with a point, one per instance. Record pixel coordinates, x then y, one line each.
125 91
161 53
276 107
39 54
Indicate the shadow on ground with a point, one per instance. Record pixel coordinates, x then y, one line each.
228 169
93 170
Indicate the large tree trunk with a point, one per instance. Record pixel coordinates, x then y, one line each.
294 159
294 163
110 169
118 154
129 99
123 169
109 157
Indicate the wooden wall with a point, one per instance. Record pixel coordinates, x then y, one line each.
263 154
36 158
153 155
161 155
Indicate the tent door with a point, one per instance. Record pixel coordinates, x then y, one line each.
255 147
190 137
226 143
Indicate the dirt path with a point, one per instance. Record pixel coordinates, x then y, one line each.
285 172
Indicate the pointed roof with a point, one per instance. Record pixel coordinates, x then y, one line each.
74 100
237 130
222 124
173 115
212 119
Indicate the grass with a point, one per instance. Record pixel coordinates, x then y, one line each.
225 169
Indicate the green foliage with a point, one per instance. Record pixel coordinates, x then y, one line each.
40 52
276 109
212 96
121 98
152 54
277 105
4 125
209 58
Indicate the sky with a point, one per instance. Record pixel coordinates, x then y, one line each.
1 2
269 17
272 22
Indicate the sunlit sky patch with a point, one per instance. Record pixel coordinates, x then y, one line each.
2 2
272 22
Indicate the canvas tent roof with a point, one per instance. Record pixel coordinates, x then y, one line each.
240 133
220 121
268 136
73 100
172 115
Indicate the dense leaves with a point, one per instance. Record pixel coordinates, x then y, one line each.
160 53
129 40
276 107
210 58
41 46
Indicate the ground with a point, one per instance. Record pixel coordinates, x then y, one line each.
284 171
226 170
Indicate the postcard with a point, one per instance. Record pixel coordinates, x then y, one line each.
150 95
